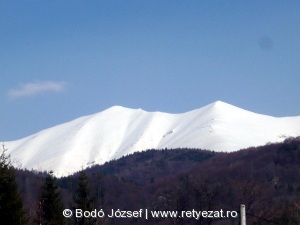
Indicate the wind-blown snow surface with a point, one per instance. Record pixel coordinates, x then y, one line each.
119 131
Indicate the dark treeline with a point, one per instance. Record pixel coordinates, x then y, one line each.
265 179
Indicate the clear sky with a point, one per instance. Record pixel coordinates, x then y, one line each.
60 59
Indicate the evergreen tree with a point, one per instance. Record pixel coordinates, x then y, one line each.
11 205
83 199
50 205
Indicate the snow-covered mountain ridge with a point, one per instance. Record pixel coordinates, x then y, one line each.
118 131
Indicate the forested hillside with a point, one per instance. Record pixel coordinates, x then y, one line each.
265 179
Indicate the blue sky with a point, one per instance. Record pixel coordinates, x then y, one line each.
63 59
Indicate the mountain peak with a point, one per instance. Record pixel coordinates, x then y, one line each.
116 107
122 108
214 105
119 131
221 108
220 104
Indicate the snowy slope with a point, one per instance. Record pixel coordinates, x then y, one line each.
119 131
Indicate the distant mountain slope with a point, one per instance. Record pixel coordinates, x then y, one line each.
119 131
